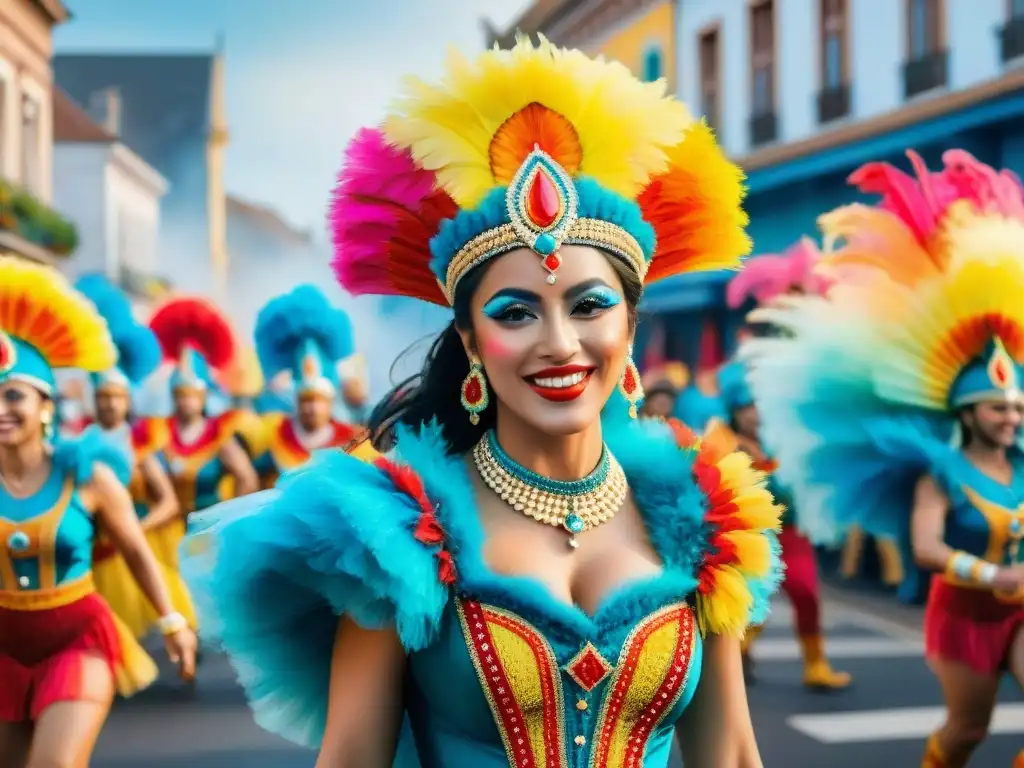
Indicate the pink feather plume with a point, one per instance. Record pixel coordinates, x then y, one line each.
920 201
384 211
766 277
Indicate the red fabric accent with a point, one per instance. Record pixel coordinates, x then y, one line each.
446 572
428 530
41 654
800 582
969 626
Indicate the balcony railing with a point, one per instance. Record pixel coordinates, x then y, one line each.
23 217
763 128
924 73
833 103
1011 39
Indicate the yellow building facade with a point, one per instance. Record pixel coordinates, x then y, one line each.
639 33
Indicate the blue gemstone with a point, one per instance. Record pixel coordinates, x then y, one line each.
1015 525
574 523
544 244
18 541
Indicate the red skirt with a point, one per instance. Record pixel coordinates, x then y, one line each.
970 627
44 654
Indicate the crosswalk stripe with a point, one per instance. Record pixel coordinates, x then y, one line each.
770 649
894 724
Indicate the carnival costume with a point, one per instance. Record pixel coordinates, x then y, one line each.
244 382
51 617
301 332
530 148
138 357
198 339
800 582
862 400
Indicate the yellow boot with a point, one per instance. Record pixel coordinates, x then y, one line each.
934 757
890 562
849 565
818 674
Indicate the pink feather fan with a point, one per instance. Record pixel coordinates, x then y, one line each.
921 202
383 214
766 277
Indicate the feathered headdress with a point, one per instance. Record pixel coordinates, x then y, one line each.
197 337
302 332
766 277
536 147
46 324
860 395
138 352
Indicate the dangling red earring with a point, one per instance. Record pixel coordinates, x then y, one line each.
630 386
475 397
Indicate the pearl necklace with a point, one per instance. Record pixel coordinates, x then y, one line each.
576 506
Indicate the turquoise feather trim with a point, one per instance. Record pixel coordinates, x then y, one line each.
79 456
595 202
271 572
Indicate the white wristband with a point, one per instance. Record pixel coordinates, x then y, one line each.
987 573
171 624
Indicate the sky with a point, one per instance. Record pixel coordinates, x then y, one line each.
299 82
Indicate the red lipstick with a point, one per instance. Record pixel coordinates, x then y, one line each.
560 394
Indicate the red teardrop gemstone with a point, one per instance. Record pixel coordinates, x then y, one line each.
552 262
473 393
629 380
542 202
1002 375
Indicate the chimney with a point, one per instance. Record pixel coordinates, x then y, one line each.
105 108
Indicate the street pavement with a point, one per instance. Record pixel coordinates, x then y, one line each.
882 720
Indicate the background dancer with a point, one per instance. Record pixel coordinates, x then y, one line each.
303 333
63 652
800 581
138 356
899 399
202 448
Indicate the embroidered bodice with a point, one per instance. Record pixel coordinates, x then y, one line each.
46 538
195 467
500 672
986 517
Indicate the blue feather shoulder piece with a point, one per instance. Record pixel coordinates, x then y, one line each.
78 456
304 314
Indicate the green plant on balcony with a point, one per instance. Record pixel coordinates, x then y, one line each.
25 215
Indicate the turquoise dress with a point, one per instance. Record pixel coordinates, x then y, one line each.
499 671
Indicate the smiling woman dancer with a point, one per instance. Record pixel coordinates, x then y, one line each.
900 405
530 586
63 654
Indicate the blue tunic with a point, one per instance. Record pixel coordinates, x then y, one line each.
500 671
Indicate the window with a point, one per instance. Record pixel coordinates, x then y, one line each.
652 64
31 144
924 28
710 98
834 44
762 57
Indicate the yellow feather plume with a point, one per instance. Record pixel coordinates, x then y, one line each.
727 610
40 307
753 552
623 127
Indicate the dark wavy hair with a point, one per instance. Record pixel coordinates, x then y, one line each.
436 391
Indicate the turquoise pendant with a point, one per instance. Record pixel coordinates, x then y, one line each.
574 524
18 541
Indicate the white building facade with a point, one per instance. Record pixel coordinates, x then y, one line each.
113 195
802 92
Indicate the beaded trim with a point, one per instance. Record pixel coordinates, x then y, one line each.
577 506
504 238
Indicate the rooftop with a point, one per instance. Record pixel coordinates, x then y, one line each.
71 123
267 221
533 20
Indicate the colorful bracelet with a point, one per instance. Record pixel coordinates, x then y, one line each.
964 567
171 624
